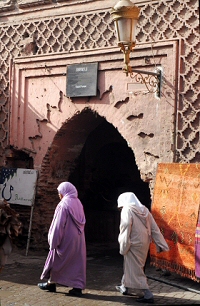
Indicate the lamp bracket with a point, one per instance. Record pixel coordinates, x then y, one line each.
152 80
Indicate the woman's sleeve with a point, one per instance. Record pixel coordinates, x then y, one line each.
159 240
56 230
125 230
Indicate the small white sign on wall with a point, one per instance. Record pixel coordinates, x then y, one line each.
18 186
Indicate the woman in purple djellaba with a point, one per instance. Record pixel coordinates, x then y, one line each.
66 261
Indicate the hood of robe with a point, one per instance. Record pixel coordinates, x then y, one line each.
73 204
67 188
130 201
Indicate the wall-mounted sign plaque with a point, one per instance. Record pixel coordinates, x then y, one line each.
82 80
17 185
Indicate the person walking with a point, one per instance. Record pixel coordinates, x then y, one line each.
137 229
66 261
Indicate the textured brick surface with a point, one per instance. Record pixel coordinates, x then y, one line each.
18 282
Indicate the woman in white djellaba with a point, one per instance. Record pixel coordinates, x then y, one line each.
137 229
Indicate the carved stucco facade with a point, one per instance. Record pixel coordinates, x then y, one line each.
40 38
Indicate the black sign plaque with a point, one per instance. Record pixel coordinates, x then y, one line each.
82 80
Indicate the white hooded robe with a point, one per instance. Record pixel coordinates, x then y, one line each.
137 229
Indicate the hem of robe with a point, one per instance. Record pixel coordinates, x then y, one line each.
67 283
136 288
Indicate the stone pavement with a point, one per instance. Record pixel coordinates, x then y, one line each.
18 283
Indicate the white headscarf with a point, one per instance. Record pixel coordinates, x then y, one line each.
130 201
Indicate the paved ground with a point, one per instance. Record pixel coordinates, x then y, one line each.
18 282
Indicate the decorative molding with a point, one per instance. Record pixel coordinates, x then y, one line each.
72 2
29 3
7 5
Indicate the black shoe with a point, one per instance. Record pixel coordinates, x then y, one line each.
75 292
47 286
143 300
120 289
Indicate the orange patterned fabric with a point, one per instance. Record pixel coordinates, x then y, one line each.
175 209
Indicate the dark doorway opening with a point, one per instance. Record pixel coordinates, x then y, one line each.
106 168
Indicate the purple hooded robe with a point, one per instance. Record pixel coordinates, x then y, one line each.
66 261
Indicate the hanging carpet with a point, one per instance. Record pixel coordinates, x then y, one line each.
175 209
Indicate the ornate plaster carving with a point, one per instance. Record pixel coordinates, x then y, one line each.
28 3
7 5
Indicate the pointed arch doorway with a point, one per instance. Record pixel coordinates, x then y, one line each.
104 169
